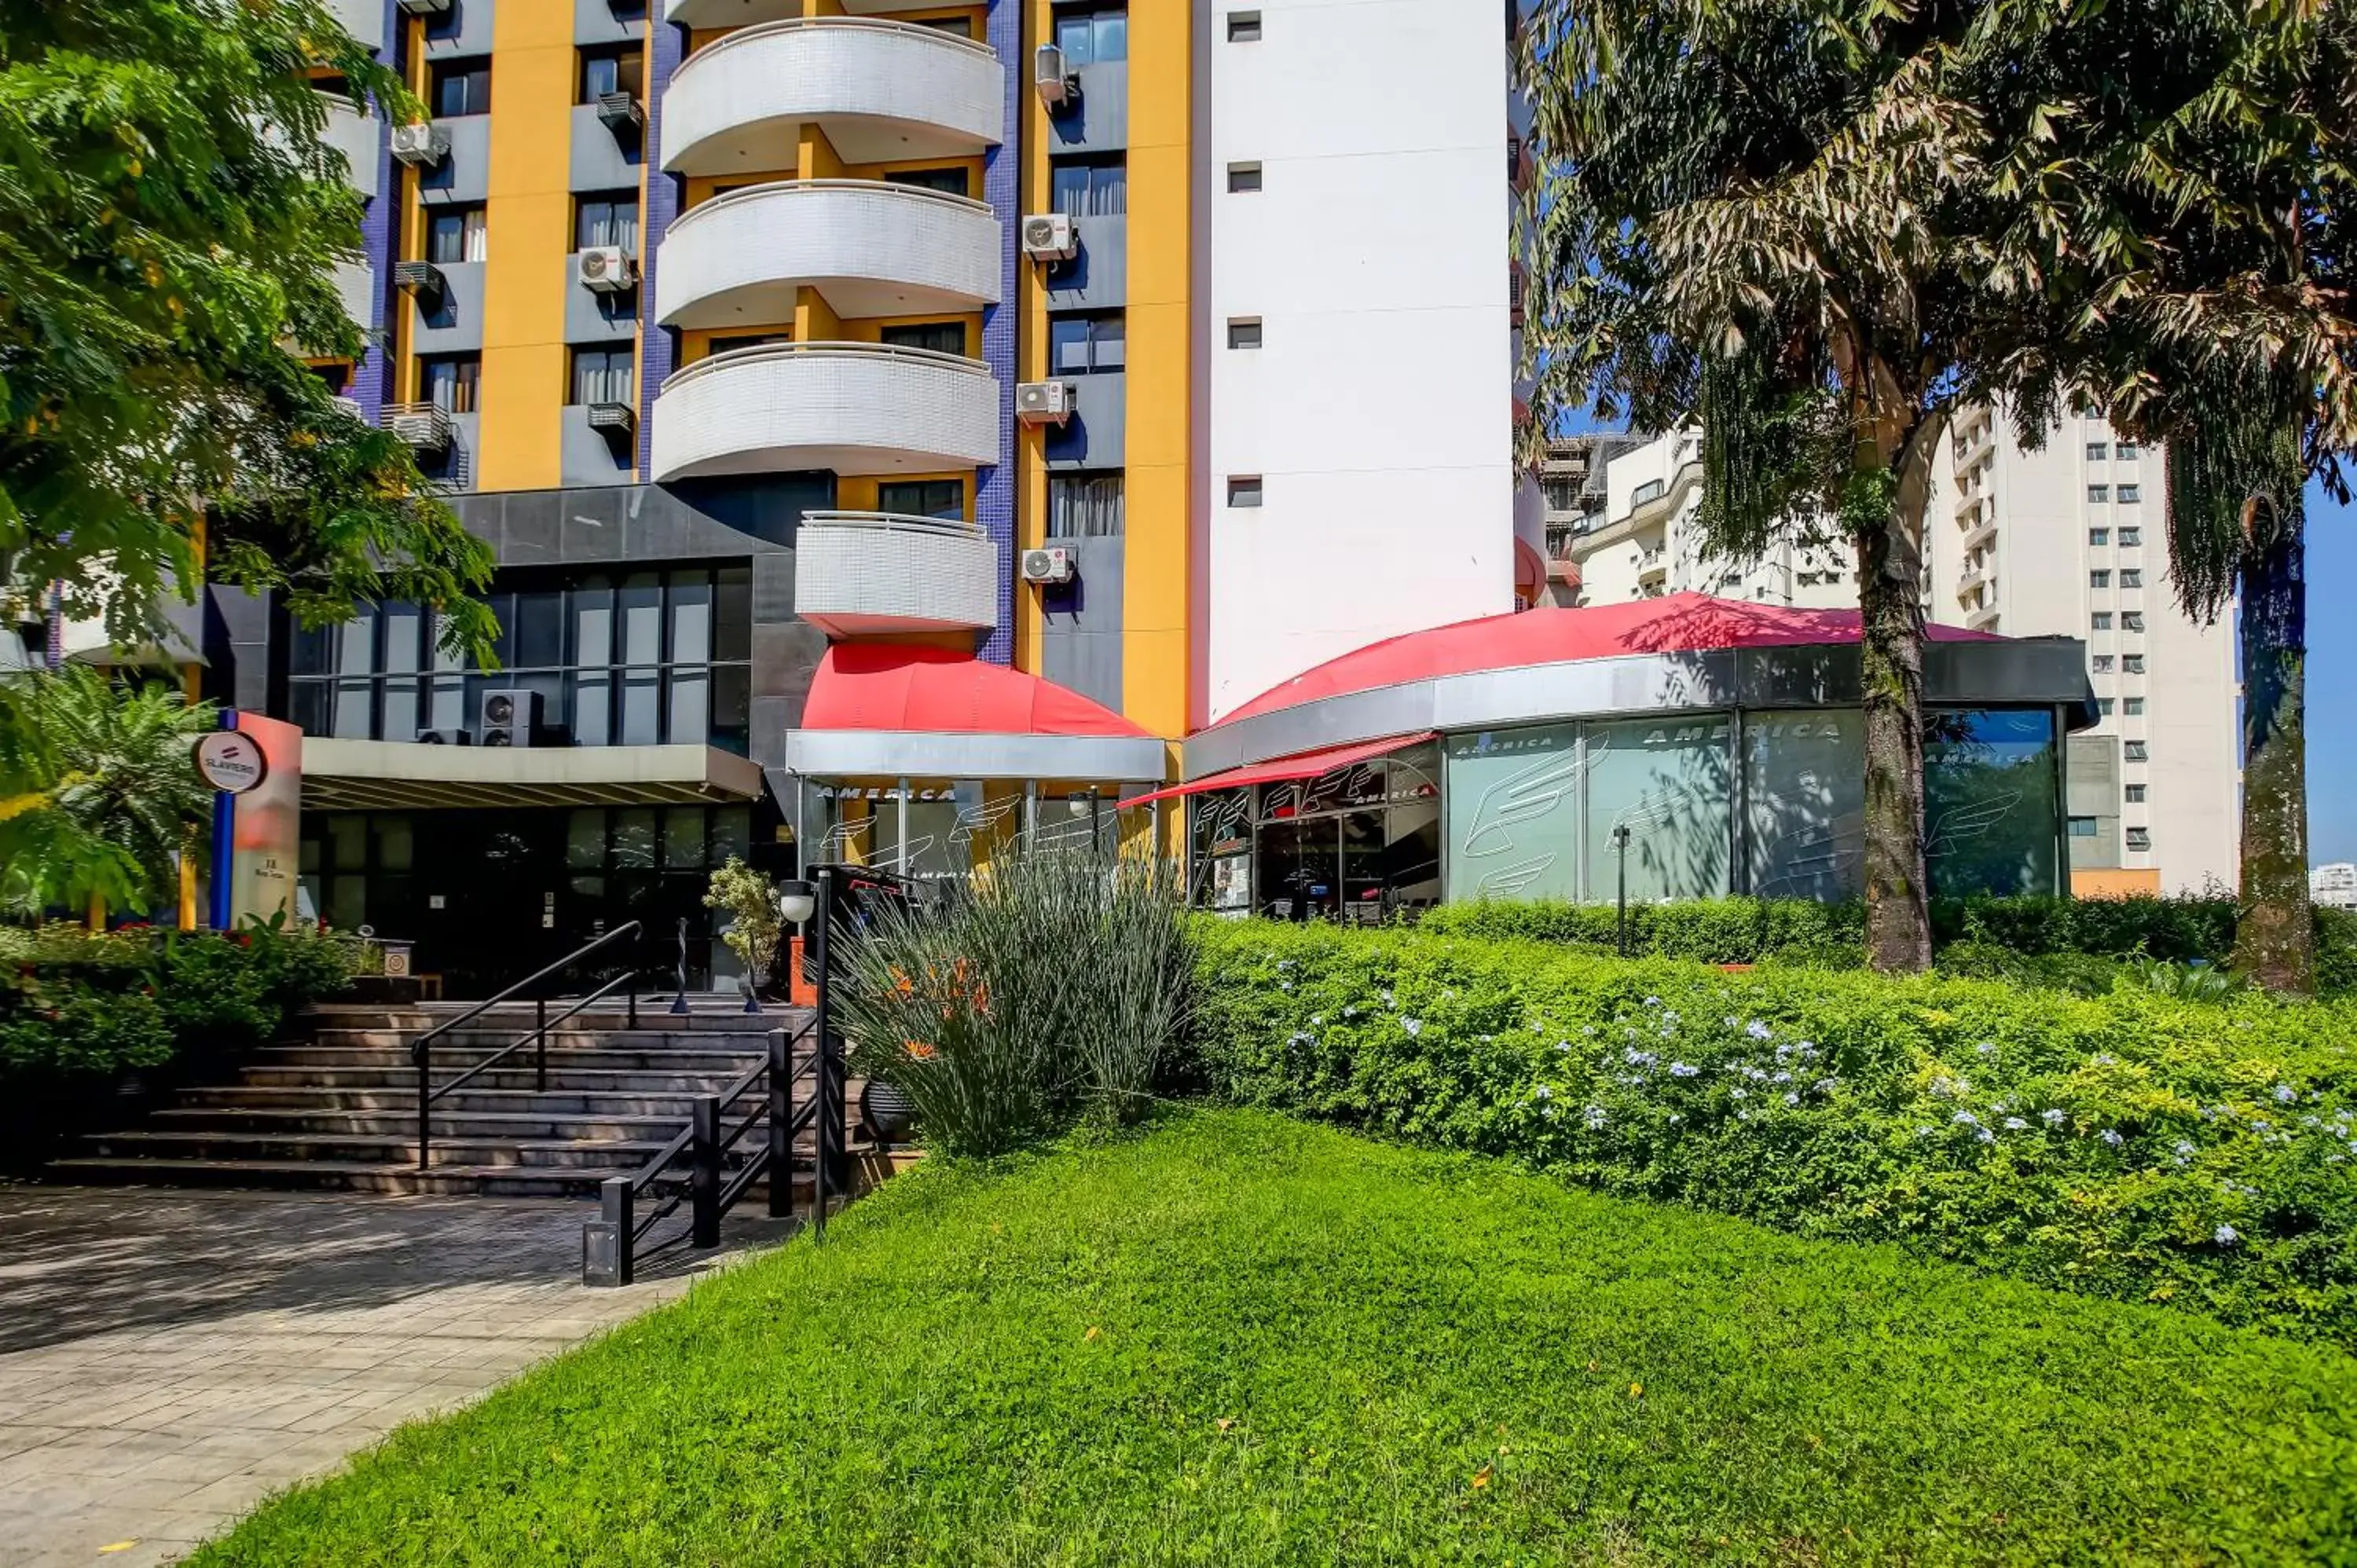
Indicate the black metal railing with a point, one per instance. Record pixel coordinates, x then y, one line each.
695 1170
421 1051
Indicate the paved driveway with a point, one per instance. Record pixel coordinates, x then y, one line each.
168 1358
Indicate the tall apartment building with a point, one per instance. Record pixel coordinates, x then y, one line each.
893 420
2066 541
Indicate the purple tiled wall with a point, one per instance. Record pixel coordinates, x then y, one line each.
658 350
994 497
380 232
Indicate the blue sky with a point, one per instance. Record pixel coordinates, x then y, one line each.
2331 675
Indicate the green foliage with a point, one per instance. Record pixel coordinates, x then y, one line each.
97 790
750 900
170 224
1242 1341
1055 983
2133 1146
52 1029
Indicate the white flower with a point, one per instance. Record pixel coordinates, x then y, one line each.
1782 1078
1740 1095
2051 1118
2286 1094
1823 1086
1595 1117
1964 1119
1755 1029
1544 1092
1652 1002
1986 1047
1684 1070
1792 1097
1950 1088
1413 1026
1985 1137
1316 1019
2016 1124
2225 1236
2103 1058
2112 1135
1300 1038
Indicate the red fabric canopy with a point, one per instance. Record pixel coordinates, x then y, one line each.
1677 624
885 686
1304 765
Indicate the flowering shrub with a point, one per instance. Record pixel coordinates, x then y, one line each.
2135 1145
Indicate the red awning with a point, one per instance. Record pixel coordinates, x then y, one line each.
1306 765
891 686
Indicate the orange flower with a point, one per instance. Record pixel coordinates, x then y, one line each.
901 983
919 1051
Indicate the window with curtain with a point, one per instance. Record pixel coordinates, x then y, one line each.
606 220
952 181
454 234
1090 188
1094 37
1084 506
450 382
602 375
1086 345
940 337
459 87
923 498
612 71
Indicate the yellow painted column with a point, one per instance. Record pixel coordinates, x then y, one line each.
527 229
1157 585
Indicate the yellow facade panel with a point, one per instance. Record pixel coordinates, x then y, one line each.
528 231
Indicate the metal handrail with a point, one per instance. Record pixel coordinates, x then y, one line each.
539 1033
421 1051
867 353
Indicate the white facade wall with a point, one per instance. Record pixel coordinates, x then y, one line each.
2034 575
1378 413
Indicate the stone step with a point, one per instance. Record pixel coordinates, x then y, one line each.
515 1073
441 1181
522 1124
674 1104
566 1032
379 1148
593 1051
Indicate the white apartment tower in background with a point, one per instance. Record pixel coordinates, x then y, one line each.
1358 476
2072 541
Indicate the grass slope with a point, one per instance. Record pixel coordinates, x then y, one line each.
1242 1340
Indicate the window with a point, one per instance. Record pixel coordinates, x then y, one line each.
1243 490
1244 332
956 27
2138 752
2099 493
2099 536
1645 492
1243 26
612 71
1083 506
1243 177
2131 494
457 87
951 181
1081 345
2136 793
606 220
745 340
454 234
2102 663
1093 37
2132 707
2131 538
1090 188
2131 620
2132 663
450 382
2100 621
2140 838
2104 706
2131 577
2083 827
2125 451
2098 450
603 375
923 498
2099 579
940 337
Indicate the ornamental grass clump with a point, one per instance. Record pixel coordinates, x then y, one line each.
1054 985
2138 1144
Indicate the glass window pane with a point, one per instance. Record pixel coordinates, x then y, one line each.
593 625
1112 40
592 707
585 840
1108 190
1074 35
1513 813
732 833
404 637
634 839
1669 782
641 708
732 692
539 630
1989 808
1111 350
682 838
691 707
355 650
1071 190
641 619
1068 344
732 632
404 704
348 842
1805 798
355 710
395 844
690 617
447 704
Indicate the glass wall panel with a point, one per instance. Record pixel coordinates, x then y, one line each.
1990 822
1412 856
1804 803
1670 782
1513 813
585 840
1220 823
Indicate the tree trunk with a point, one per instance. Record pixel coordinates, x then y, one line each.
2275 939
1885 515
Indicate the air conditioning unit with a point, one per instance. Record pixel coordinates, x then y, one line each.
421 145
607 269
1043 403
510 716
620 112
1052 564
425 426
1050 237
1058 84
613 418
445 738
422 279
424 7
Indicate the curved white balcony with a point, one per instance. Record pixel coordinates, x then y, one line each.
870 247
880 91
745 13
854 408
868 573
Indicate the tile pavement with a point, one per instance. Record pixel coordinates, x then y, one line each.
169 1359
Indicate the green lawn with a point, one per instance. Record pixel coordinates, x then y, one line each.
1242 1340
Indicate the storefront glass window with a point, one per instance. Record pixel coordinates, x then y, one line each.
1670 782
1990 822
1804 803
1513 813
1221 826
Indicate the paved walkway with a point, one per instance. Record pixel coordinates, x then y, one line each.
168 1359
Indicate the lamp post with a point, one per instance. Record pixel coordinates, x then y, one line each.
1620 842
797 901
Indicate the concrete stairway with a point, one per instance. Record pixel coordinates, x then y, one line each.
341 1110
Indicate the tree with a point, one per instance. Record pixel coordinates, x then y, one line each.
1819 226
169 227
97 790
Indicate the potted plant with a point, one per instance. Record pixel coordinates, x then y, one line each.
750 902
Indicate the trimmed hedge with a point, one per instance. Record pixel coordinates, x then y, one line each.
2135 1145
1749 931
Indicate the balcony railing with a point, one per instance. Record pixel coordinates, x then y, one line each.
870 247
871 572
851 408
